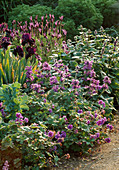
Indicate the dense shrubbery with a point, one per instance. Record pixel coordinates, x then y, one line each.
66 103
91 14
109 14
24 12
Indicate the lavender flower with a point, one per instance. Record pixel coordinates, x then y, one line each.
108 140
70 127
46 66
88 122
36 87
87 65
75 84
57 136
63 134
101 103
107 80
6 166
50 134
26 119
80 111
109 126
53 80
50 110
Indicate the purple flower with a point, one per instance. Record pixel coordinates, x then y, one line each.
54 148
60 140
18 115
50 134
75 84
107 80
57 136
70 127
108 140
63 135
26 119
18 50
44 100
61 18
80 111
105 86
88 122
101 121
101 103
55 88
36 87
0 104
6 166
46 66
110 127
97 135
50 110
87 65
3 112
64 32
53 80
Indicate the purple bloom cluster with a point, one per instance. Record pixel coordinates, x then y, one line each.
46 66
70 127
53 80
20 120
75 84
60 137
101 121
36 87
87 65
109 126
108 140
97 135
107 80
6 166
29 73
100 102
50 134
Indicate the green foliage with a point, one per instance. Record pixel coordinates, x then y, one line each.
49 3
102 49
31 142
24 12
6 6
108 13
12 100
81 12
12 68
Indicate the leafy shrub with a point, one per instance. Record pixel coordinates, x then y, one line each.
49 3
12 100
24 12
34 146
81 12
108 13
102 49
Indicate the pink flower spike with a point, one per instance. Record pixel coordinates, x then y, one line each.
61 18
31 18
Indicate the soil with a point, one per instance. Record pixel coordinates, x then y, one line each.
105 157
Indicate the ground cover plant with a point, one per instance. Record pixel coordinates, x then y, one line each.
65 104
